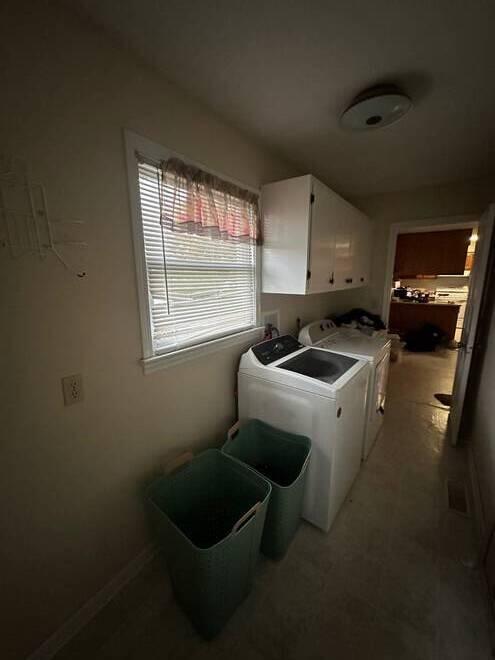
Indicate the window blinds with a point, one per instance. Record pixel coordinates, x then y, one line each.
200 287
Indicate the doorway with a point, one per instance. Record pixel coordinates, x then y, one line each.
465 322
430 284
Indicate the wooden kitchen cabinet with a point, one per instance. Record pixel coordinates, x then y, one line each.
405 317
313 240
431 253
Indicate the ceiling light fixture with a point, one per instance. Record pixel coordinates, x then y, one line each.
374 108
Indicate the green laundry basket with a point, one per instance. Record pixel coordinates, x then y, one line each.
208 516
282 458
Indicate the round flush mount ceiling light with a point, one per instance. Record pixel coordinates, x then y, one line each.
375 108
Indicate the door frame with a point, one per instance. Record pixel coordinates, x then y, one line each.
415 227
470 341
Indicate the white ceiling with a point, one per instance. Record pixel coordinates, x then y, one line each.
283 71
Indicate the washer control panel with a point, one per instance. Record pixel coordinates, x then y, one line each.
274 349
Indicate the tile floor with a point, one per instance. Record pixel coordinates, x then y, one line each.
392 580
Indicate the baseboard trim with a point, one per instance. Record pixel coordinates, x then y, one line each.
90 609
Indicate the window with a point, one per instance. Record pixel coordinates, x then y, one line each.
200 285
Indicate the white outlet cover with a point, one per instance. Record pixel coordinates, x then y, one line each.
272 317
72 388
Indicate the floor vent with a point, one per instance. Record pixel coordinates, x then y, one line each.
457 498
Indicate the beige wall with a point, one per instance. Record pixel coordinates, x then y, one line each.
71 479
436 203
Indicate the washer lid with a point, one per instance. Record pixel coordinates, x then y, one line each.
322 365
340 372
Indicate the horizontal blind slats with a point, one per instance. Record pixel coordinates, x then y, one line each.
211 282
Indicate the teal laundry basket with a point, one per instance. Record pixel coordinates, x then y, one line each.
282 458
208 516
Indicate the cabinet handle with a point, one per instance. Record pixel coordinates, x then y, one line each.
348 280
331 280
362 279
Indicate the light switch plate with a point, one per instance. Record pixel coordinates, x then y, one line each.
72 387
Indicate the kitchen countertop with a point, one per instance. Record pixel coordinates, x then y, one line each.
427 304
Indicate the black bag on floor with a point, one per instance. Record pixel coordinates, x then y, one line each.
425 339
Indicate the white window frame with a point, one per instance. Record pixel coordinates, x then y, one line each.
152 361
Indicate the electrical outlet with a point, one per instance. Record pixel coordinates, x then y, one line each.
272 317
73 389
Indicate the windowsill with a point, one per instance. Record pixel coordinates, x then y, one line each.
165 360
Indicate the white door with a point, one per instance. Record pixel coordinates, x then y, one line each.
468 338
322 241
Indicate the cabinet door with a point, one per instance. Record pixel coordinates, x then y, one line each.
396 322
367 250
431 253
286 226
344 247
409 256
322 240
451 247
407 317
362 248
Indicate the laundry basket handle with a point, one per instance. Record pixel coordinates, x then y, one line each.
245 517
233 431
178 462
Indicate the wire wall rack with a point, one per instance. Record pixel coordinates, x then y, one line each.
26 226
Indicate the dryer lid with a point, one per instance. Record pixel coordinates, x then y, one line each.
314 332
357 343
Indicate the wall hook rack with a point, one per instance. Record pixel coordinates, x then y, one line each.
27 227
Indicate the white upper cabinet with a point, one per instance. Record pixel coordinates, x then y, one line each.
314 241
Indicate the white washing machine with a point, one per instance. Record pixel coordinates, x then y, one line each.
376 350
317 393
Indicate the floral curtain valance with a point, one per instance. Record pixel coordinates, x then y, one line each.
197 202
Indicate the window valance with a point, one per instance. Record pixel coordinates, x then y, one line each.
197 202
